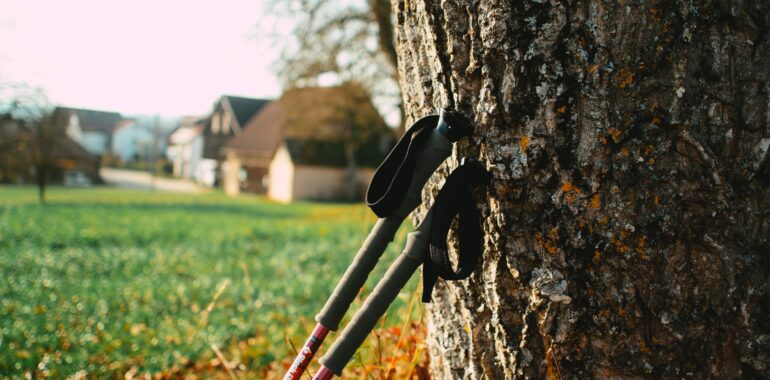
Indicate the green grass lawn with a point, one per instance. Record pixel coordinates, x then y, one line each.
101 280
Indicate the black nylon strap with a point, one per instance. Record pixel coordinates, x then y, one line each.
391 180
454 198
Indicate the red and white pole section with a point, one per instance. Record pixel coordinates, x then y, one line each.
305 355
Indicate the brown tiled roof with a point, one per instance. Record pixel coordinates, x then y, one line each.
241 111
245 108
95 121
262 134
304 118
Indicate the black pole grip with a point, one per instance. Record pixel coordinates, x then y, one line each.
451 126
375 306
436 150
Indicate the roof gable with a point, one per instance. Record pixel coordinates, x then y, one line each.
262 134
244 109
94 121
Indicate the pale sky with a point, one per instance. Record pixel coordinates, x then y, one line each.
172 57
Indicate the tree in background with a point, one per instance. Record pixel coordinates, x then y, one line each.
352 41
35 131
627 225
13 155
46 133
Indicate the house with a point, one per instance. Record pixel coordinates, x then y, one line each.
72 163
228 119
248 155
91 129
315 170
314 143
185 150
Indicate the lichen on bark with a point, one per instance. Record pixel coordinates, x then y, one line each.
627 223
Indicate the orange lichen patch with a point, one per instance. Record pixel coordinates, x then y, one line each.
605 313
656 120
656 200
594 204
567 187
648 149
561 109
624 152
640 247
593 68
597 256
603 220
548 245
651 160
570 191
604 140
655 13
619 246
553 234
615 134
625 78
643 347
523 143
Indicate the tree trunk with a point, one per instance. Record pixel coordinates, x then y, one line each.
42 181
627 223
351 177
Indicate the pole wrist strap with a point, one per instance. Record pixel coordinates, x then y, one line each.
391 180
454 199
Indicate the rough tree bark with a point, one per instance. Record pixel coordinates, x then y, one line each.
627 225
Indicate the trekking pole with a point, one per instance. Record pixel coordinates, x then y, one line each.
393 193
426 244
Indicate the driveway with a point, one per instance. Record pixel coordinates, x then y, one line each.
143 180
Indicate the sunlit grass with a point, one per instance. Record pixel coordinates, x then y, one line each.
104 281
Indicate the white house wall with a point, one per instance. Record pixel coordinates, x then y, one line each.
325 183
206 172
281 176
186 157
231 169
195 155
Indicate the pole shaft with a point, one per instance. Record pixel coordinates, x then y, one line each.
305 355
323 374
